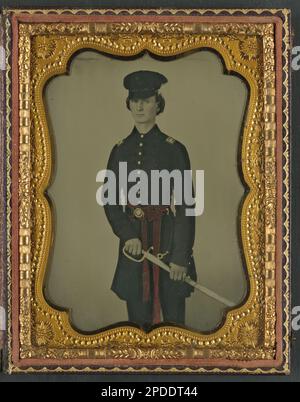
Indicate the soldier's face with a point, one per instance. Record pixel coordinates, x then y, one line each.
144 110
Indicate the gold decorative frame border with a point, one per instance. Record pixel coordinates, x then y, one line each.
45 333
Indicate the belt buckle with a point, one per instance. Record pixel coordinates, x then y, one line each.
138 213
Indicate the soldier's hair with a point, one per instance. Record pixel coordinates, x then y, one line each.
159 99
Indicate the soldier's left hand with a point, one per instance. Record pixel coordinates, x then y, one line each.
177 272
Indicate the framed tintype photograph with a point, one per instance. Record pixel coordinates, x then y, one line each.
147 163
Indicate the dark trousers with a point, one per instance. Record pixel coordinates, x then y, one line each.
173 311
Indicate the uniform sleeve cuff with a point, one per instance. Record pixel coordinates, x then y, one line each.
128 235
180 259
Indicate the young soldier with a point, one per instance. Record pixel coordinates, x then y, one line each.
148 290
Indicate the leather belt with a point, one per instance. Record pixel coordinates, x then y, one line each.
147 214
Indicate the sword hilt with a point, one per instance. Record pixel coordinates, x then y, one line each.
141 259
160 256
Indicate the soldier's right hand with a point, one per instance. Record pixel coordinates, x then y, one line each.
133 246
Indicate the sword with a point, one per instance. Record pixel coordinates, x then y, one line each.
157 261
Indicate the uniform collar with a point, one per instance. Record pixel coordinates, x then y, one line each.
154 130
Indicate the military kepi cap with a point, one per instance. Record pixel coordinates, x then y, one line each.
143 84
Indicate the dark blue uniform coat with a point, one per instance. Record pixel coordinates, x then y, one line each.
153 150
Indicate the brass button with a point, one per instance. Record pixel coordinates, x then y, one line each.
141 144
142 135
140 153
139 162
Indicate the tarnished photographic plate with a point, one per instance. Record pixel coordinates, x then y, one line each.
78 84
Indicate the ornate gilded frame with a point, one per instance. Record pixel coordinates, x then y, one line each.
253 44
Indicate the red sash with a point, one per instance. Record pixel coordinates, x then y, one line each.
147 214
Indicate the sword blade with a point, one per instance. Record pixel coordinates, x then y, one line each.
188 280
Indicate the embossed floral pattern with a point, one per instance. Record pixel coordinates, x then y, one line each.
44 333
